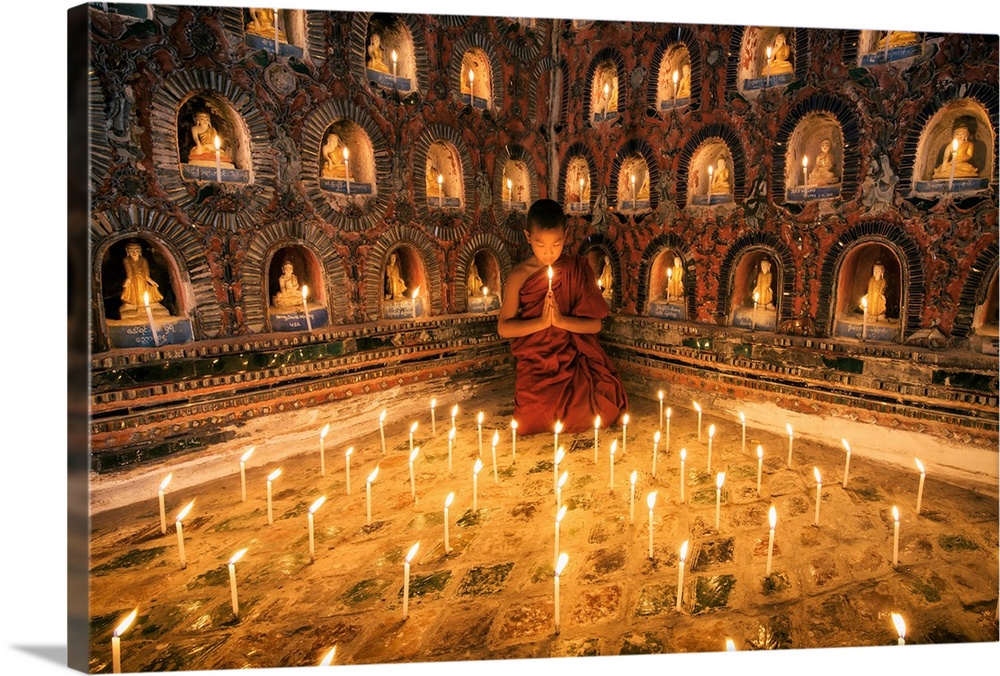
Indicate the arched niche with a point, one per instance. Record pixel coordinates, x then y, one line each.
875 47
212 141
515 185
390 56
755 297
673 82
444 182
483 282
346 163
292 268
710 174
986 317
604 92
476 82
576 186
814 159
961 129
404 284
130 268
278 31
855 283
669 284
767 58
633 185
603 263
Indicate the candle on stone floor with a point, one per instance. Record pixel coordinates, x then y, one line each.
550 279
559 486
414 300
381 428
555 440
560 454
347 173
760 466
711 436
328 658
864 316
406 579
305 307
730 646
513 440
720 478
680 575
597 427
788 426
772 517
447 503
368 492
666 445
149 317
493 451
218 162
270 478
684 455
611 460
347 467
897 620
559 517
454 412
243 472
322 452
847 463
624 433
116 646
819 487
479 423
743 434
232 579
413 428
451 441
660 396
895 537
920 489
560 566
163 511
180 532
413 484
656 442
697 407
650 502
631 497
312 540
475 484
433 421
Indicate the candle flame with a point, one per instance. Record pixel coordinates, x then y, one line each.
563 478
895 513
864 301
454 410
676 76
305 291
513 424
772 516
730 646
720 478
954 145
413 427
697 406
347 154
120 629
684 454
145 297
660 395
381 417
486 290
479 418
805 161
561 514
413 456
550 273
897 620
684 551
669 411
274 475
607 89
412 552
635 475
415 292
597 422
316 505
347 453
434 402
656 436
711 431
184 512
496 437
326 428
373 475
440 179
478 466
614 447
559 426
448 500
218 142
395 57
237 556
561 563
760 451
472 75
768 52
328 660
788 426
756 297
920 465
246 456
847 446
819 480
651 500
166 481
625 419
743 418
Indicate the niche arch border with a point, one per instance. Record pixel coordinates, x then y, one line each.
634 146
727 135
685 36
578 149
473 38
800 39
748 243
975 288
657 246
548 64
486 241
401 235
358 50
450 224
516 152
606 54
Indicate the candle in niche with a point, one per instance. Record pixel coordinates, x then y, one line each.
270 479
381 428
510 190
847 463
560 454
413 428
743 433
347 468
767 67
563 478
149 317
433 421
650 502
684 455
513 440
163 511
772 517
406 579
632 181
395 59
753 316
670 274
475 484
232 580
711 436
680 575
451 442
954 152
441 189
788 427
560 567
607 99
479 424
697 407
920 489
597 430
368 492
218 162
550 279
311 520
581 191
322 452
243 472
472 86
328 658
666 444
656 442
895 536
305 308
819 487
180 532
624 433
413 484
454 412
675 78
631 497
559 517
413 299
760 466
116 646
493 452
555 439
660 396
864 316
720 478
897 620
611 461
447 503
347 173
805 174
710 184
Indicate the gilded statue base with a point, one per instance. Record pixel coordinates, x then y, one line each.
341 187
882 331
764 320
958 185
476 102
132 332
294 319
267 44
894 54
194 172
812 192
674 309
479 304
765 82
672 104
403 309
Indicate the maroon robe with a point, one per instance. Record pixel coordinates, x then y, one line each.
563 375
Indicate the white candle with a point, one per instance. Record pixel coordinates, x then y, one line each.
772 516
788 426
312 539
631 498
697 407
270 478
406 579
897 620
413 300
607 99
493 451
656 441
560 566
684 454
395 59
368 492
322 452
510 191
180 533
720 478
709 184
624 433
670 274
753 317
454 412
275 33
305 308
328 658
441 190
479 423
218 162
768 66
819 486
472 86
555 439
597 429
760 466
413 428
711 436
847 463
347 467
611 460
650 502
805 174
447 504
475 484
149 318
559 486
163 511
864 316
632 181
232 580
560 454
660 396
581 192
513 440
433 421
954 151
550 279
730 646
666 445
680 575
451 441
116 648
347 171
675 78
895 537
920 490
243 472
559 517
381 428
413 484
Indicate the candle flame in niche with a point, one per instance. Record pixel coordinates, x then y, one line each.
415 292
184 512
660 395
756 297
805 161
434 402
145 297
120 629
561 514
373 475
218 142
305 291
326 428
684 551
347 153
412 552
246 456
316 505
720 478
237 556
676 77
864 301
166 481
448 500
478 466
819 479
274 475
395 57
328 659
772 516
651 500
897 620
895 513
561 563
920 465
743 418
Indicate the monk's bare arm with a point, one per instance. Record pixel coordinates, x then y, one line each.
508 326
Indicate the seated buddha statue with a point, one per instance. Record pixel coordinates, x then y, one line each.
376 57
898 39
334 165
721 184
204 135
684 84
958 152
290 293
822 173
262 23
780 54
474 284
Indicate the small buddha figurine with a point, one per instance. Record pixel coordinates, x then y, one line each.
290 294
876 293
334 165
605 281
720 178
762 286
675 280
204 135
822 173
395 285
376 58
262 23
474 285
959 156
898 39
684 83
780 53
138 282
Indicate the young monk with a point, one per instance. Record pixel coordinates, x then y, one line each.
562 372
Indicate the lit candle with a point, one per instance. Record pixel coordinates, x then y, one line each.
270 478
697 407
218 162
624 433
433 421
676 77
656 441
597 428
951 176
441 189
666 445
180 533
581 191
305 308
328 658
730 646
550 279
768 66
347 171
711 436
447 503
486 291
416 291
760 466
753 316
163 511
510 190
897 620
451 441
631 178
864 316
819 486
684 455
710 184
611 460
772 516
322 452
454 412
312 539
920 489
406 579
116 646
243 472
720 478
232 579
513 440
847 463
413 484
368 492
560 566
555 441
149 318
479 423
381 428
895 537
276 33
472 86
413 428
475 484
788 426
650 501
560 454
743 435
670 274
680 575
493 451
559 486
347 467
559 517
660 396
631 498
805 173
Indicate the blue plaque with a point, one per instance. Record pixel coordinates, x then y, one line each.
449 202
894 54
296 321
640 205
605 117
667 310
169 331
765 320
957 185
388 81
874 331
813 192
710 200
670 104
403 309
197 172
267 44
340 187
765 82
483 305
578 207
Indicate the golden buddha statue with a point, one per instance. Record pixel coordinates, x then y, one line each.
262 23
721 185
762 286
822 173
898 39
334 164
290 294
204 135
957 153
876 293
376 57
779 63
675 280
